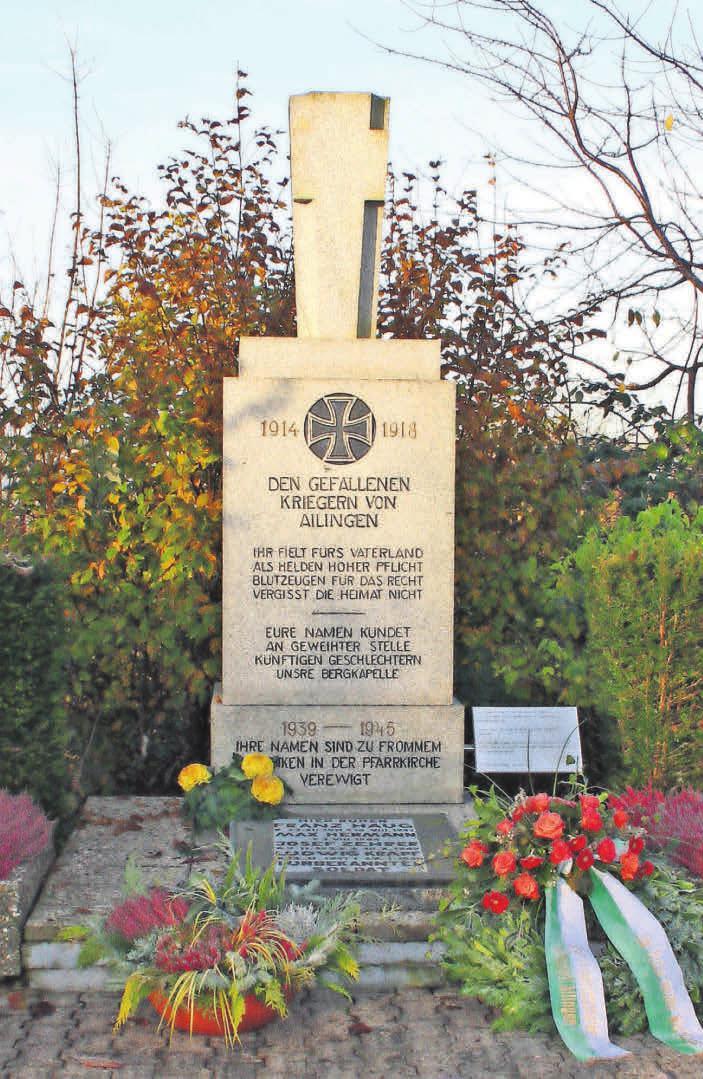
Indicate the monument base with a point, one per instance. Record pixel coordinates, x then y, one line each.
379 754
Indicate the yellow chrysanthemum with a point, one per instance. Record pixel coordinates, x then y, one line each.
267 789
193 775
257 764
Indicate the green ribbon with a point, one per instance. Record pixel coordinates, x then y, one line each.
643 944
575 980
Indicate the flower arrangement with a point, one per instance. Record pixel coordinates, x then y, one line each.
229 954
246 788
514 939
515 852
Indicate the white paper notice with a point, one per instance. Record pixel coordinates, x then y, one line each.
527 740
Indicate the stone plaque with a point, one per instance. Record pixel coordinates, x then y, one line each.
526 740
356 847
348 844
338 542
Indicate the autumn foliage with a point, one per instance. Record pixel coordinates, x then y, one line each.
111 442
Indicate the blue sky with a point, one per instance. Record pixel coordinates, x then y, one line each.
147 64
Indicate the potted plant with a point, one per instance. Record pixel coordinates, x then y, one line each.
221 957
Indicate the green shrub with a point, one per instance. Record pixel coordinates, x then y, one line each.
33 733
623 635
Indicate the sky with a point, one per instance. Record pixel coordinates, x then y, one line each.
148 63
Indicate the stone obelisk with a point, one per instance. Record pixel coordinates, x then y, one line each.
339 509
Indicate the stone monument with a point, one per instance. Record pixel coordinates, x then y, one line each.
339 510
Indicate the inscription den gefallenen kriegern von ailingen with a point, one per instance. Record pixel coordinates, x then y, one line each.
338 501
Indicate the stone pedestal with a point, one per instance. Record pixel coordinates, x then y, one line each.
412 753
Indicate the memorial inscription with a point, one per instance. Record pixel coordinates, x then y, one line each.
359 621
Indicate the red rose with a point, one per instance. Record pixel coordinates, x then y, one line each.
589 803
636 844
473 855
503 863
578 843
526 886
537 803
548 826
629 864
620 818
532 861
496 902
560 851
591 821
606 851
504 827
518 814
646 869
585 859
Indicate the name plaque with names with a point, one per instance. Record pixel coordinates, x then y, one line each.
346 845
545 740
358 848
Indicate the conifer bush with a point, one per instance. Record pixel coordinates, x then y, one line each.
622 635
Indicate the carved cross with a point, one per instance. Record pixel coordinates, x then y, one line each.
339 153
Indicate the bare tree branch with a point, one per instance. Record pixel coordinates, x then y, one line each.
624 106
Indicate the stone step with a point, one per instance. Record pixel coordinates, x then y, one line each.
53 967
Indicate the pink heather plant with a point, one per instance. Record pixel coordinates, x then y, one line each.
674 822
24 831
136 917
681 819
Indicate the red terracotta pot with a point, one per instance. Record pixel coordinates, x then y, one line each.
255 1015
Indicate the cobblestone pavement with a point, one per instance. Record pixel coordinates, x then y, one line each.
390 1035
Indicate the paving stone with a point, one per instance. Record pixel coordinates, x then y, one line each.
415 1034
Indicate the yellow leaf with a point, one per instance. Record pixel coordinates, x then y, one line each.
669 122
112 443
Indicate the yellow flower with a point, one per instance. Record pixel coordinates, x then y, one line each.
257 764
267 789
193 775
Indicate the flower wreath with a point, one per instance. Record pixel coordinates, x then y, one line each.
562 849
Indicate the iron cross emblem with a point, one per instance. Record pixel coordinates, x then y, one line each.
340 428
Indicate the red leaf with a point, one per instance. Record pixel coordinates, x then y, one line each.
360 1028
